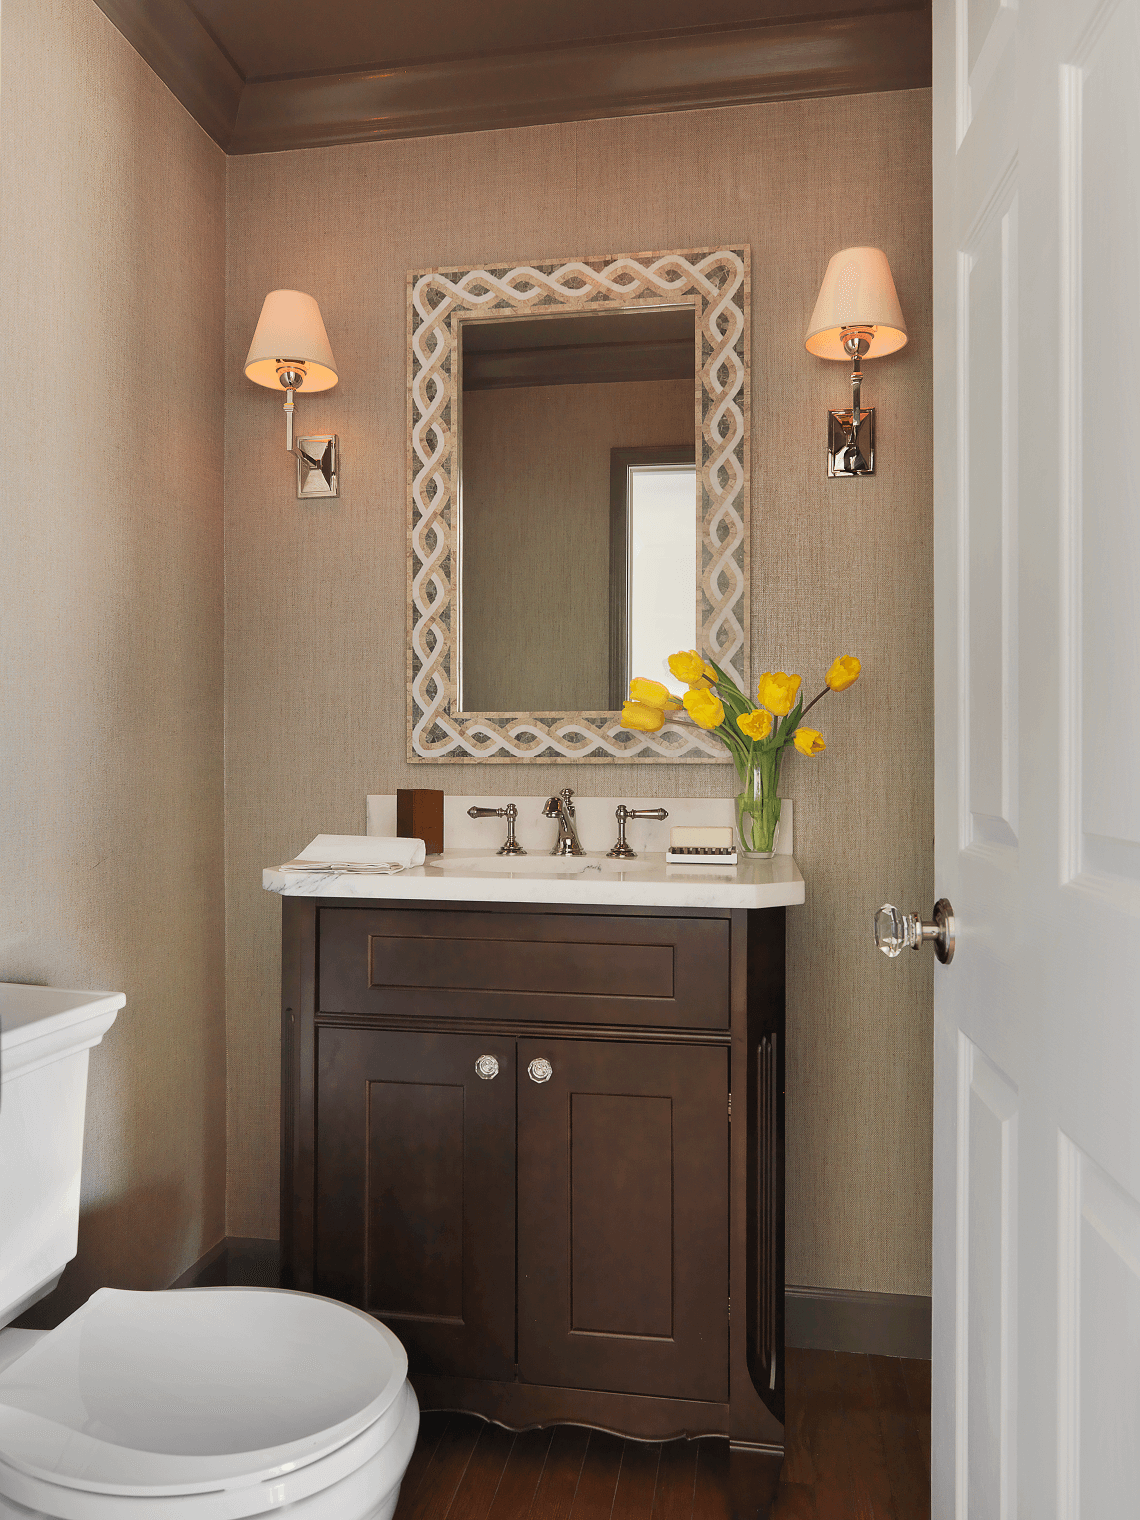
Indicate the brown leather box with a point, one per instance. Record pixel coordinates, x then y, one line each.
419 815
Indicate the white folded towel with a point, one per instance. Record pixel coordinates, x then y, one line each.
358 854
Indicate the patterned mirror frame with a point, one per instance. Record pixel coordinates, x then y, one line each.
716 282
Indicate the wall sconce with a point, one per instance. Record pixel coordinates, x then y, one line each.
857 317
290 349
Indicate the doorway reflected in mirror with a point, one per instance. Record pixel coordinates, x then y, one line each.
653 563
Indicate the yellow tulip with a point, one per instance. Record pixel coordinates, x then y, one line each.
778 692
652 693
687 665
844 672
756 724
704 707
809 741
642 717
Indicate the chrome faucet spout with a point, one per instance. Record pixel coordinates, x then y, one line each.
562 808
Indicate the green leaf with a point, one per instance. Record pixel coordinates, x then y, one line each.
789 724
727 681
737 701
734 743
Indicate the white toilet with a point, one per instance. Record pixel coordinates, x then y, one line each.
191 1405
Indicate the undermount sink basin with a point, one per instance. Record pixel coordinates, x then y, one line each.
536 865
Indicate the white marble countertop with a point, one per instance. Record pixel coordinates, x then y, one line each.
485 876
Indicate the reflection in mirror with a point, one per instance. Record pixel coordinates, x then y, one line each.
578 506
653 563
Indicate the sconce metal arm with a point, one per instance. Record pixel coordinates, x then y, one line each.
856 341
292 377
291 374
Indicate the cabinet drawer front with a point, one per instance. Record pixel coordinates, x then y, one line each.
623 1217
655 972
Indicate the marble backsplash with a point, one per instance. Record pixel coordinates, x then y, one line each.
597 825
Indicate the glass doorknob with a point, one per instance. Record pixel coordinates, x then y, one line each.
896 931
540 1070
487 1068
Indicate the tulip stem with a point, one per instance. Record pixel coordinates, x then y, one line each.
812 703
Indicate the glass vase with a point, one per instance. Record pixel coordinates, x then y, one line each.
758 808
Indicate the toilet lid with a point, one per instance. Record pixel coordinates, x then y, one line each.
197 1390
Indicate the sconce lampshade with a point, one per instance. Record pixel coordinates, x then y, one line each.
857 291
290 328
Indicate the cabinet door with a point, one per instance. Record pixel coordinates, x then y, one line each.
623 1218
415 1208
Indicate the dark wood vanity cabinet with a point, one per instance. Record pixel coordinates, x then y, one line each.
507 1134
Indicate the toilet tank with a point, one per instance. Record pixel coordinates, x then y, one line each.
45 1034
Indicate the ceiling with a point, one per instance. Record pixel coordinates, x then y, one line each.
261 75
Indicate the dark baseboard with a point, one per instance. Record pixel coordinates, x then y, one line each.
816 1319
839 1319
235 1262
207 1272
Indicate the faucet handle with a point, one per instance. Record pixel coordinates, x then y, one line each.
566 793
511 846
621 850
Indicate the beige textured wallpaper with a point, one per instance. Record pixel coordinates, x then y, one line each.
536 520
112 272
315 617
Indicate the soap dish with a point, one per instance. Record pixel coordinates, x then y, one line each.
700 855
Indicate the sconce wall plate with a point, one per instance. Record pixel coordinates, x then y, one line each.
318 466
847 455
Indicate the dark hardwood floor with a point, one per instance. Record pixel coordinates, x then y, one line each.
858 1448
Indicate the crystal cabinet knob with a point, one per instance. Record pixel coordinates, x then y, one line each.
540 1070
487 1068
896 931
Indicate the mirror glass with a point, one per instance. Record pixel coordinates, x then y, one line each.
578 506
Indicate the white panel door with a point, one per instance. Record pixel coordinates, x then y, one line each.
1036 1373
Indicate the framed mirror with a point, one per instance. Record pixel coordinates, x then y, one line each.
578 499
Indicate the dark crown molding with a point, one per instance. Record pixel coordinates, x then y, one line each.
849 55
168 36
743 65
